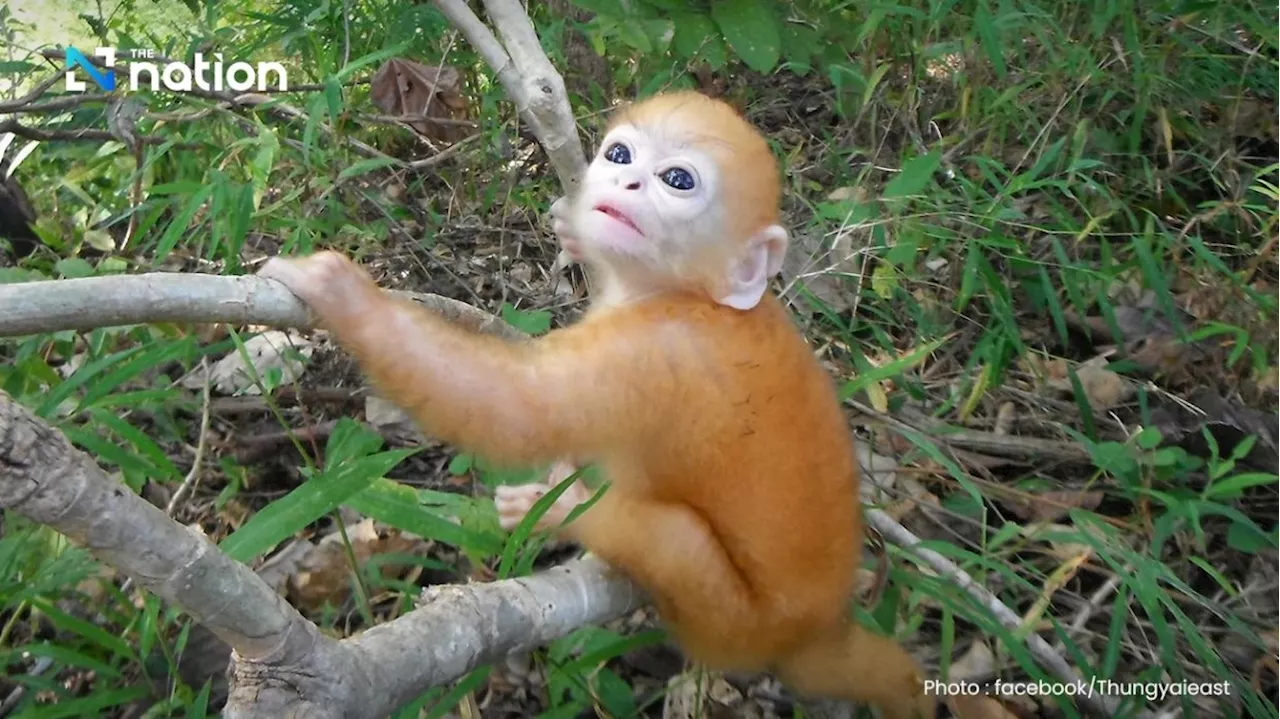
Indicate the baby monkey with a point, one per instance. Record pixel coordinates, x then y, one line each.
732 479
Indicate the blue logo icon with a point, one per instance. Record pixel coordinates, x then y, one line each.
104 79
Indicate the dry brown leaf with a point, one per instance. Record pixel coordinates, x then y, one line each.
699 695
855 193
864 582
324 575
274 349
1266 662
235 512
978 661
392 422
1253 118
1004 418
1103 388
404 87
277 568
1269 379
1051 506
1148 338
825 266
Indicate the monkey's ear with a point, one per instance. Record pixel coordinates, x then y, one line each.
750 273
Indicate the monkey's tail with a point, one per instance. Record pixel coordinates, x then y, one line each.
853 664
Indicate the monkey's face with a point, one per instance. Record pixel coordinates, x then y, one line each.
648 196
683 191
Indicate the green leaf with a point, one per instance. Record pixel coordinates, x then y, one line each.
16 66
633 35
751 29
87 630
263 161
1245 537
1233 487
799 45
369 59
615 694
915 175
369 164
890 369
333 97
74 267
461 464
94 705
985 24
532 322
180 224
692 30
433 515
317 497
315 106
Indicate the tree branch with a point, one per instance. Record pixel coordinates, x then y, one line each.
530 81
455 629
92 302
528 78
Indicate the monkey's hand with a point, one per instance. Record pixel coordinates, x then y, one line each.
563 228
514 502
331 285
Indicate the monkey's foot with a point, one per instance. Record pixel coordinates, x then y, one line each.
328 282
514 502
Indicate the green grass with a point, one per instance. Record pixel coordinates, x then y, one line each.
1019 172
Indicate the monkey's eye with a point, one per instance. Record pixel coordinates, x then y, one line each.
679 178
618 153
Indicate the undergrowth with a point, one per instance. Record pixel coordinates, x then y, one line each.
1051 224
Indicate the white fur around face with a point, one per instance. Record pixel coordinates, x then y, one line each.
666 216
673 225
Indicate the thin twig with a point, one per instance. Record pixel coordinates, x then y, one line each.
1053 662
62 103
189 482
36 93
84 135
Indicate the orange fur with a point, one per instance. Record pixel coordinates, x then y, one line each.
733 484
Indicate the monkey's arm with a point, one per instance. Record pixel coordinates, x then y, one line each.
518 402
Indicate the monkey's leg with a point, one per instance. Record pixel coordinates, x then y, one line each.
857 665
671 551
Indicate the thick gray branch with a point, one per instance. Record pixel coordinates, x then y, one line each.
43 477
284 667
92 302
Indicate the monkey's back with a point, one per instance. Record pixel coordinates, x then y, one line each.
754 440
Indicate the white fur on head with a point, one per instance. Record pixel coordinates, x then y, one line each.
748 277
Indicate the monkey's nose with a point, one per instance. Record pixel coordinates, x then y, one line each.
629 180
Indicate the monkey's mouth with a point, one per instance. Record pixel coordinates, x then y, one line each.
616 214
